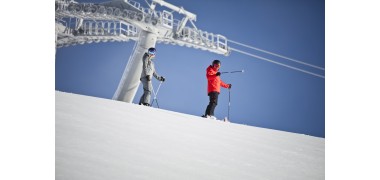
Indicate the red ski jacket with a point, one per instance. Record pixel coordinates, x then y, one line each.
213 81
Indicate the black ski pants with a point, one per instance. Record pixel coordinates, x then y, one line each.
213 102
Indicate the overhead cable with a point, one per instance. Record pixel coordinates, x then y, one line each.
265 59
274 54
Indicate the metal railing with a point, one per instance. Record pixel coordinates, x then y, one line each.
89 19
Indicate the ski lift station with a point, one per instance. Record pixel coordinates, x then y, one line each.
125 20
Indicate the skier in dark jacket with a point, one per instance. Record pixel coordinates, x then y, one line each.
146 76
213 87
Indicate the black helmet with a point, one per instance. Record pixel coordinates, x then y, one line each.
216 62
152 50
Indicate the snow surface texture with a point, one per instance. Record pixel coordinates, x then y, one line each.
105 139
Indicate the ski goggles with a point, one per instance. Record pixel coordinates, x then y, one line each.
151 53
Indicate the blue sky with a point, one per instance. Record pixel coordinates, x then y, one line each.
265 95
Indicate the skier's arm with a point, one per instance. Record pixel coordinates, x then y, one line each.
224 84
156 75
145 64
211 74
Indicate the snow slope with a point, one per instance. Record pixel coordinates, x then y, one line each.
111 140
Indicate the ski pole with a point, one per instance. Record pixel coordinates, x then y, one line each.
229 102
242 71
155 95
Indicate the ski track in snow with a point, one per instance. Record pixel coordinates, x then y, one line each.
104 139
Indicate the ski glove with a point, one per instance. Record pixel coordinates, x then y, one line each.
162 78
218 74
148 78
229 86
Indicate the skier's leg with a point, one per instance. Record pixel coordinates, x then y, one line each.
147 86
213 102
208 110
141 99
142 96
147 92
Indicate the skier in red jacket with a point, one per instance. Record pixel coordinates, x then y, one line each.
213 87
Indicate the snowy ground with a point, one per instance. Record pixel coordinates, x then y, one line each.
110 140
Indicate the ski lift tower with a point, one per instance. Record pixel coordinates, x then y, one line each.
124 20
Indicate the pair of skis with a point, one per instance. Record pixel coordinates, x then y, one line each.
214 118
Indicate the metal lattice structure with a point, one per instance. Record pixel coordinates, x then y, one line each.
124 20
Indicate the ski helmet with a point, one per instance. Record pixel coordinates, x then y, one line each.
152 51
216 62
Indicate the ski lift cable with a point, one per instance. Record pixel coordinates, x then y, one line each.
274 54
265 59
